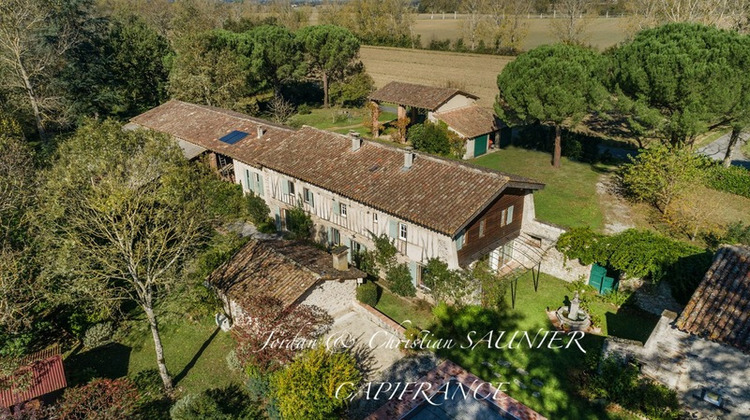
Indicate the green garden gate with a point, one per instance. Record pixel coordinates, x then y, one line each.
600 281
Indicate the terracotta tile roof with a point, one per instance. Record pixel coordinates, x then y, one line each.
204 125
285 270
47 376
470 121
450 374
719 310
440 194
418 96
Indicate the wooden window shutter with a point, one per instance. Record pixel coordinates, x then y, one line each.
248 183
509 217
260 186
393 229
336 208
460 241
413 272
285 187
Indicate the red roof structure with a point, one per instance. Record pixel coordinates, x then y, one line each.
46 376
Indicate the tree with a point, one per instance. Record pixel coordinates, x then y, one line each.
658 175
556 85
208 72
124 211
228 403
646 14
329 51
299 223
353 89
34 37
118 70
274 53
400 281
316 385
452 286
678 81
571 25
375 22
738 103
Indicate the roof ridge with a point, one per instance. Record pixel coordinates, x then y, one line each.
236 114
455 163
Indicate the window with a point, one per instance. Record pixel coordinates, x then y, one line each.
342 209
509 216
402 231
375 219
335 237
290 187
481 228
308 196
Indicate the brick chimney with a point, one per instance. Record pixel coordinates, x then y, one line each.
340 261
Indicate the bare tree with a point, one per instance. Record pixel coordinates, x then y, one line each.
472 26
31 54
650 13
571 26
281 109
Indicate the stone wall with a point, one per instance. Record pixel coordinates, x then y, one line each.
335 297
689 364
554 262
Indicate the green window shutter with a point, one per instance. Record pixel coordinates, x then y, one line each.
351 250
509 216
330 235
393 229
285 186
260 186
460 241
336 208
413 272
277 216
248 185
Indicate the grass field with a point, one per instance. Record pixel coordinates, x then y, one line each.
195 354
569 197
600 32
400 309
475 73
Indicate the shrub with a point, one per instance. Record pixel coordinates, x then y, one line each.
100 399
315 385
660 174
399 279
98 335
353 90
446 285
304 109
431 138
368 294
298 223
734 180
385 252
257 209
233 362
228 403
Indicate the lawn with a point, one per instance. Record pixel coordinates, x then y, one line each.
340 120
400 309
569 197
195 355
544 379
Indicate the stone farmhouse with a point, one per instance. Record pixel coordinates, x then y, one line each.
458 109
429 206
704 353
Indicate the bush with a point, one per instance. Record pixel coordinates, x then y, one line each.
734 180
298 223
399 279
230 403
385 252
99 399
368 294
257 209
431 138
315 385
304 109
98 335
353 90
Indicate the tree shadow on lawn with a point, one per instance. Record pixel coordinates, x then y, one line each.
180 376
631 323
546 379
109 361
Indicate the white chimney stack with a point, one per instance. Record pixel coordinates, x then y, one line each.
356 140
408 157
261 131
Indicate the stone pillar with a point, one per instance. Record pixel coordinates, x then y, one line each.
375 118
401 112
